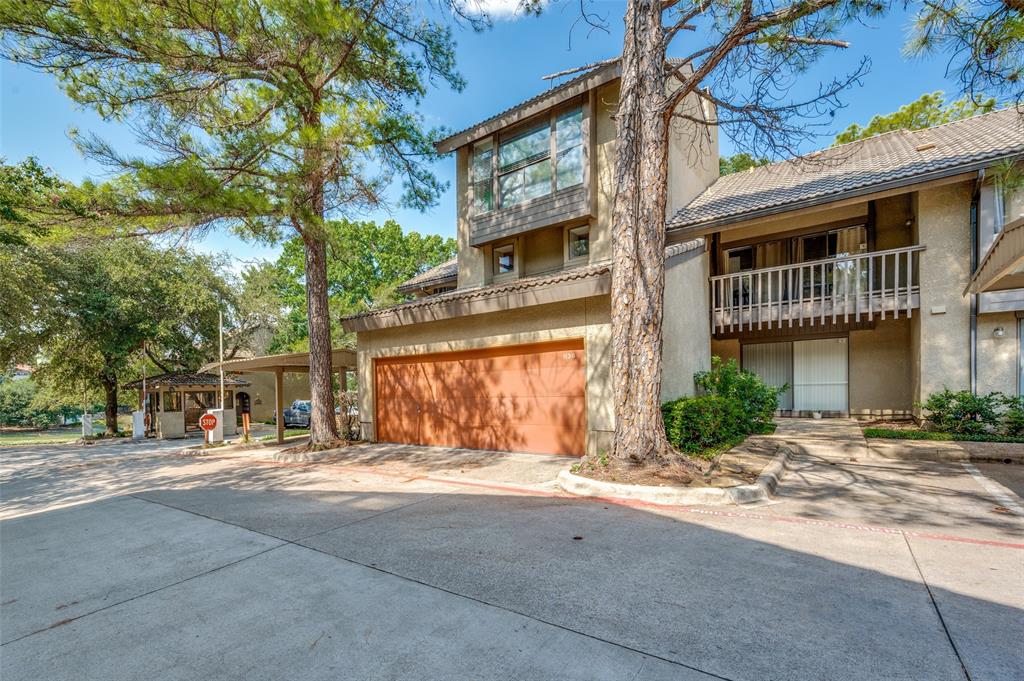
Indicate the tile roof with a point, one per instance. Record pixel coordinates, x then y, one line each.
185 378
892 159
480 292
446 271
684 247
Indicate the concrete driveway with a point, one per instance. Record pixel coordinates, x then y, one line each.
379 566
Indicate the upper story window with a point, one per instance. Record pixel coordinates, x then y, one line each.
999 196
569 145
483 176
530 163
524 166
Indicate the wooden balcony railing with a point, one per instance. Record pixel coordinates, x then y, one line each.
850 287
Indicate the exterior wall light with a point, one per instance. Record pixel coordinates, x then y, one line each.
999 332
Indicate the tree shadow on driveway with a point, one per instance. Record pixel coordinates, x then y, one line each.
435 582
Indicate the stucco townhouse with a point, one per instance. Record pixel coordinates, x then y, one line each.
864 277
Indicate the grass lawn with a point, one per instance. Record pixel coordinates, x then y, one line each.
288 432
52 436
911 434
57 434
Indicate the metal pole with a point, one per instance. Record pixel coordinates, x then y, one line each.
221 329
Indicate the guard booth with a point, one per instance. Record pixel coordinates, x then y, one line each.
173 402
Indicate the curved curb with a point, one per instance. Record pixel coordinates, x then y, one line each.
939 451
760 490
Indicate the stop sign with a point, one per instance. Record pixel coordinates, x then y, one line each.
208 422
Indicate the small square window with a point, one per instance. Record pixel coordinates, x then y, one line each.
504 259
579 243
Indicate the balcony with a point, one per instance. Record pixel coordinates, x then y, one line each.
846 289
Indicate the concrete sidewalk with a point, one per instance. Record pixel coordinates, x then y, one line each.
826 439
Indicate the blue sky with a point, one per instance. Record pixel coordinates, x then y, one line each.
502 66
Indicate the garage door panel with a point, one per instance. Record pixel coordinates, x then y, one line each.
526 438
521 410
527 398
510 384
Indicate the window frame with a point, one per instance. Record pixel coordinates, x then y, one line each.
496 140
176 403
569 232
999 196
496 274
474 208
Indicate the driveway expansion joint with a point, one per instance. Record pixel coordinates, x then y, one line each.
938 612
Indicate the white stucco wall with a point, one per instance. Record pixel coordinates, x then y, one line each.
943 326
881 368
998 356
686 336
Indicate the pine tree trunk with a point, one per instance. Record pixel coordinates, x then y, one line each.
322 426
110 405
638 243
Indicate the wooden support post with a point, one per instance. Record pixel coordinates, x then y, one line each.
279 402
342 409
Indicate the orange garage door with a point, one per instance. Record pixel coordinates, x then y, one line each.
527 398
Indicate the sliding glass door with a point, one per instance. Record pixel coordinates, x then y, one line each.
816 371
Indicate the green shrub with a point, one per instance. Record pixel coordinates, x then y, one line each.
758 401
696 423
734 404
1013 419
963 412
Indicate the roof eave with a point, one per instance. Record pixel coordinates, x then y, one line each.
583 284
712 225
596 78
429 283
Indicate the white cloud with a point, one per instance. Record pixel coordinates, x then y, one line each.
495 9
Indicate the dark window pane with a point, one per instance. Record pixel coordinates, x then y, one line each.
740 260
815 247
579 244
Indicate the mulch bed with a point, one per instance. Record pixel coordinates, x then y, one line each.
307 448
678 472
739 465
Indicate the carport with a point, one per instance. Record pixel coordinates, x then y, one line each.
342 360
